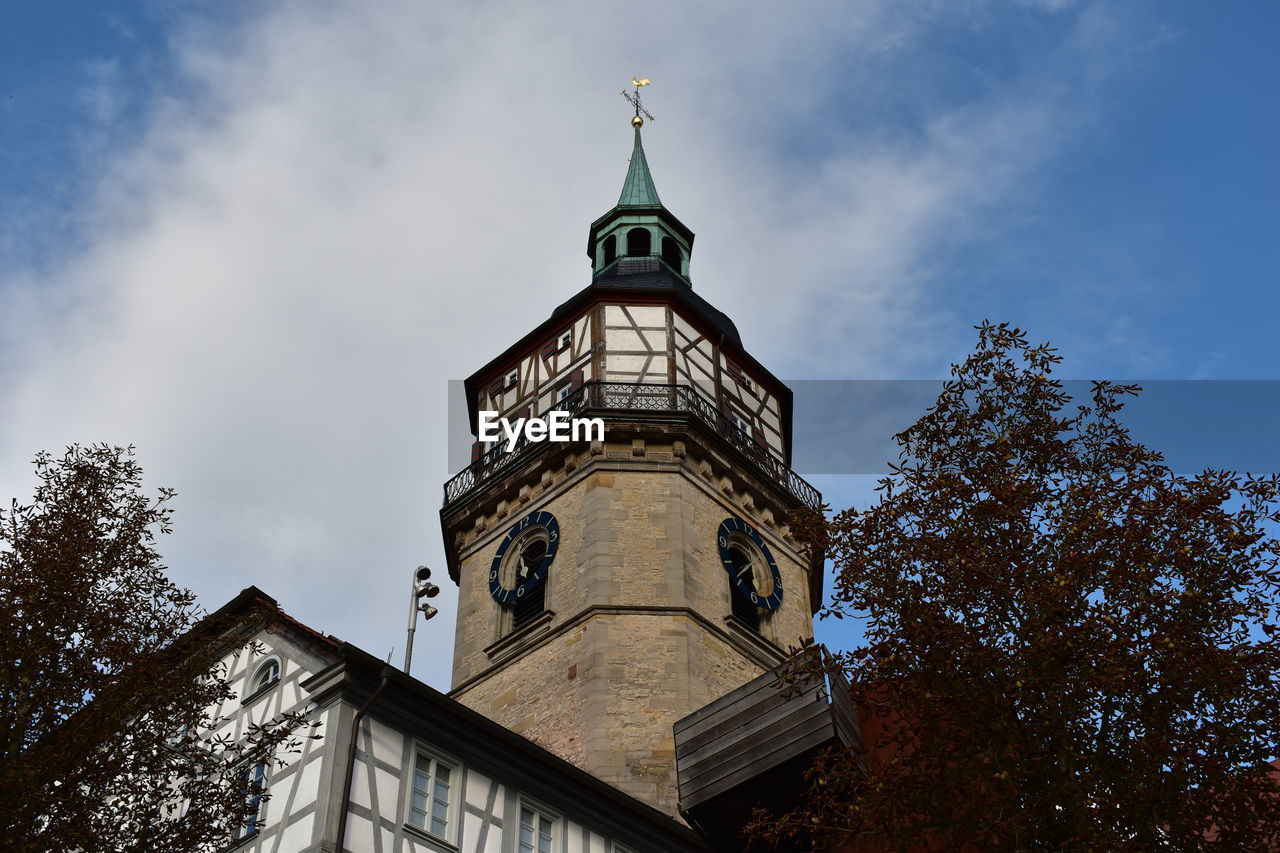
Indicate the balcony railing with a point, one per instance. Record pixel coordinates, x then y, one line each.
605 398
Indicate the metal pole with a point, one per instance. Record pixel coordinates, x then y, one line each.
420 589
413 624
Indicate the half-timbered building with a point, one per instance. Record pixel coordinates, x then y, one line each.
623 601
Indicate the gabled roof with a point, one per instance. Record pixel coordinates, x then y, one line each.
252 609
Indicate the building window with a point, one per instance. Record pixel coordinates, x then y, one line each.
537 831
565 340
638 242
736 416
264 678
671 253
432 797
512 378
255 782
610 249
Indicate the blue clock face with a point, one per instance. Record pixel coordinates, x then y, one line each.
529 547
750 563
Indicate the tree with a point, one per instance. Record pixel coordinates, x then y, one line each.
109 676
1068 646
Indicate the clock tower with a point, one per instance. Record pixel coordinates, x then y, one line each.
612 584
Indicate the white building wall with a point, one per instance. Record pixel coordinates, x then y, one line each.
288 814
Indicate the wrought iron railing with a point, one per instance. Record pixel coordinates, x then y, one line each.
615 397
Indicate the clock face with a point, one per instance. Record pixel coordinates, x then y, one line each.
749 563
527 551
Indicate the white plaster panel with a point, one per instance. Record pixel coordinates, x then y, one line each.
574 841
627 363
308 780
613 316
388 793
478 789
493 842
648 315
360 784
623 339
388 744
471 832
655 339
296 835
699 360
359 832
597 844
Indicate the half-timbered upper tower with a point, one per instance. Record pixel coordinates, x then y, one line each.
610 587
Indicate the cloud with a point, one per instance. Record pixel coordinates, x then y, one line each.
337 208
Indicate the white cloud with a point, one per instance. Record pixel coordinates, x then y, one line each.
350 204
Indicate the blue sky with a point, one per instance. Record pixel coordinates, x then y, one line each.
257 240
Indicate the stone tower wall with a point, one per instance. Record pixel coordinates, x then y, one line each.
640 633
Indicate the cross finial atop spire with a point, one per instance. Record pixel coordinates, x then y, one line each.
637 122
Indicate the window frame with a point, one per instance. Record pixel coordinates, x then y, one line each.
557 822
453 813
241 833
252 693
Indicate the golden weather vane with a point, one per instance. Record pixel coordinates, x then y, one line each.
635 101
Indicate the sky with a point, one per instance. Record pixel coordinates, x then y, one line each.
257 240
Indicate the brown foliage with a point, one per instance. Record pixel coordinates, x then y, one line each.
1068 646
107 682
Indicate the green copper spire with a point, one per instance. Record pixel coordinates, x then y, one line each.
638 190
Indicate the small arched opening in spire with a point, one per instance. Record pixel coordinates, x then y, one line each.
638 242
671 253
610 249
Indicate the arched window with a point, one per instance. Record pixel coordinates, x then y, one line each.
671 253
610 249
267 674
638 242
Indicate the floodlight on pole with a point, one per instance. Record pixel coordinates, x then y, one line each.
421 590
